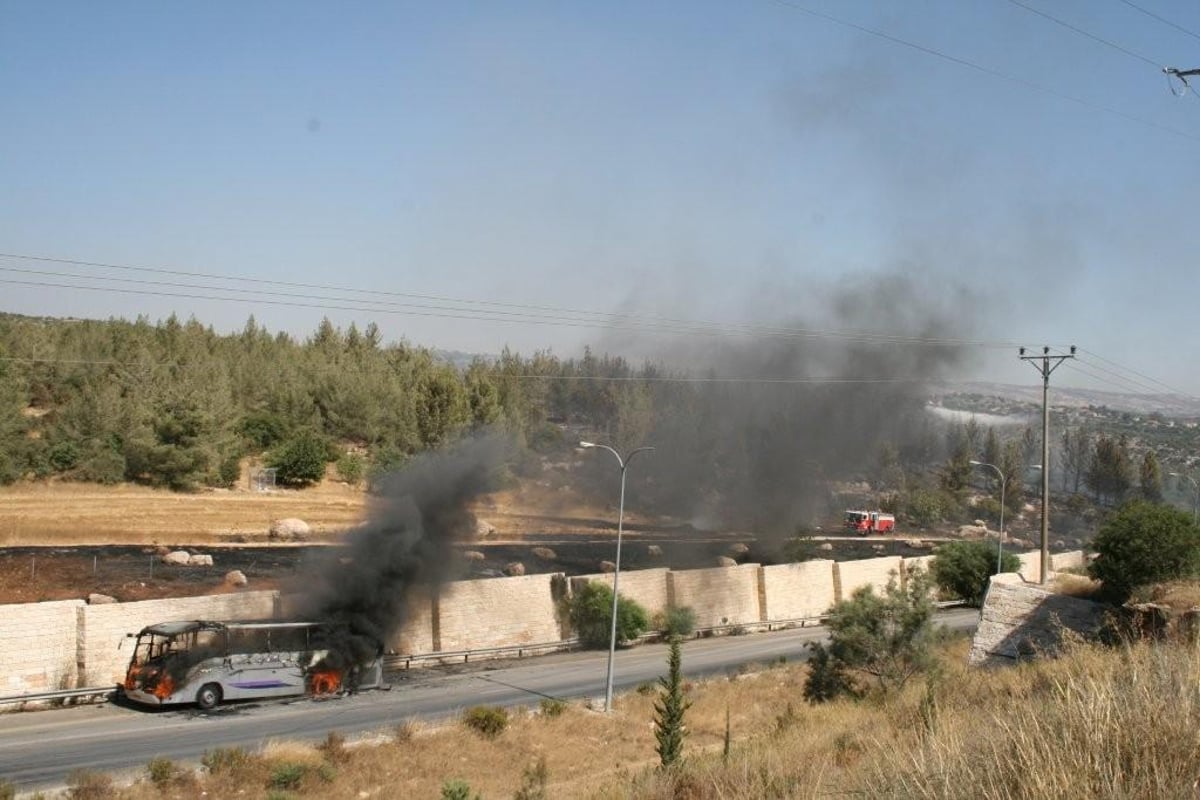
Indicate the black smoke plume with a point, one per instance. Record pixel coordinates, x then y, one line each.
404 550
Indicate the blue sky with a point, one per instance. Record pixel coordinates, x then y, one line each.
723 161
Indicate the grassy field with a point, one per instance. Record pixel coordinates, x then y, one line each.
80 513
1094 724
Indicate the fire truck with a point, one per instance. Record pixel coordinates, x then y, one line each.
870 522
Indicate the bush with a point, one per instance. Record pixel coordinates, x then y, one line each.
101 464
334 748
300 461
84 784
678 621
162 772
875 640
63 456
350 468
224 760
488 721
962 569
457 790
1144 543
925 507
230 470
287 775
552 707
533 781
590 612
7 790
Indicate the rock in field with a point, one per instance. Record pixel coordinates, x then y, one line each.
654 550
178 558
607 566
473 555
514 568
545 553
198 560
288 530
236 578
725 561
96 599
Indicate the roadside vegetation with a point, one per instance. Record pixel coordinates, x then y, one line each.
1097 722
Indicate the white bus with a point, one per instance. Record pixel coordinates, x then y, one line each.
206 663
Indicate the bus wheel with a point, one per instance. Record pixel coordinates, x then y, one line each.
209 696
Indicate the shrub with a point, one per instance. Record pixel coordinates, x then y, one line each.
533 781
230 470
962 569
300 461
924 507
101 464
488 721
591 616
457 790
351 468
872 639
162 772
334 748
63 456
7 790
84 784
1144 543
552 707
287 775
224 759
678 621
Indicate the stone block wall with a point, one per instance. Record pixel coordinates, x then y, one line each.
103 651
1021 620
647 587
719 596
496 613
1070 560
795 591
875 572
1031 565
37 646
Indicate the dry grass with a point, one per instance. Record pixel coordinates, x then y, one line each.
1076 585
79 513
1177 595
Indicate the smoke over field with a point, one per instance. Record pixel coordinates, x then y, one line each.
405 549
770 418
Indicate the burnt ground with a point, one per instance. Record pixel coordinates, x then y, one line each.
134 572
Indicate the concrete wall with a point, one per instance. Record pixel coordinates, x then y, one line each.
719 596
794 591
646 587
37 646
103 651
495 613
874 572
1070 560
1031 565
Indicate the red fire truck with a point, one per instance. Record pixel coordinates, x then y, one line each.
870 522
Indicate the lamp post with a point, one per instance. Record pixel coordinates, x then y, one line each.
1196 502
1003 497
612 638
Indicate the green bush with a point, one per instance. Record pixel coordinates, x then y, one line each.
224 760
924 506
487 721
590 612
287 775
63 456
101 464
457 790
300 461
678 621
229 470
962 569
875 642
351 468
1144 543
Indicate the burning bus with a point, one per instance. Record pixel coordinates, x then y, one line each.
206 662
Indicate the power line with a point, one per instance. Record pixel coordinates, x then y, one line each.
1166 386
533 314
988 70
1163 20
1082 32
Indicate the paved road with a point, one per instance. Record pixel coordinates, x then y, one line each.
38 749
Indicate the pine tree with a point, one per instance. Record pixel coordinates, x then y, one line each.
669 729
1151 482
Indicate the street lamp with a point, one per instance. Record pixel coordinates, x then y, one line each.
1003 497
612 638
1196 502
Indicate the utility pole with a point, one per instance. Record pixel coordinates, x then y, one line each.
1045 368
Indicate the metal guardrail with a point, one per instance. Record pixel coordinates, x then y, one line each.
57 694
397 661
